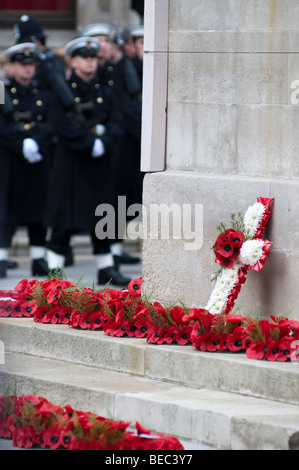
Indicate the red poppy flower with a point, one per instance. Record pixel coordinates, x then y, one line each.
197 335
194 314
23 437
96 321
84 321
108 324
227 247
235 341
140 429
256 350
49 316
134 287
65 315
212 342
75 319
203 324
5 431
5 309
119 328
234 319
142 327
172 334
185 335
52 437
132 330
38 313
156 335
56 288
279 350
26 287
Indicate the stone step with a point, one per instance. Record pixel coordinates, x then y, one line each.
178 365
216 418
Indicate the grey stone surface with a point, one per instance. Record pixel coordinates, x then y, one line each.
171 273
215 418
233 94
179 365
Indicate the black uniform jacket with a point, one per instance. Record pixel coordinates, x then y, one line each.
79 182
23 185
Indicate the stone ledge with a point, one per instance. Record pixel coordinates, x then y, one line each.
216 418
177 365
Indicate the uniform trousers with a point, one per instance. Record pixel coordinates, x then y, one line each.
60 241
37 239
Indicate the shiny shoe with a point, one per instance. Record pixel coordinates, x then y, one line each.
125 258
10 264
111 275
39 267
3 266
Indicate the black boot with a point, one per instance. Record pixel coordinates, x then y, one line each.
39 267
10 264
111 275
125 258
3 266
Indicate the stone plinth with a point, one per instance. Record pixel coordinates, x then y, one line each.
231 136
172 273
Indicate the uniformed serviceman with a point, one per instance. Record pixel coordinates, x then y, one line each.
25 137
137 33
104 33
28 29
51 66
131 106
117 71
81 177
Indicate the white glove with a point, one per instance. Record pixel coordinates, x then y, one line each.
31 151
98 149
100 129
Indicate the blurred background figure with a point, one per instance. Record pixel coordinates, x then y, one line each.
137 33
50 71
81 178
118 72
128 178
104 33
28 29
25 139
35 25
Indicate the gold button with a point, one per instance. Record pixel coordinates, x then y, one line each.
39 117
27 127
111 83
13 90
35 91
39 103
15 102
100 99
74 85
97 86
77 99
110 68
